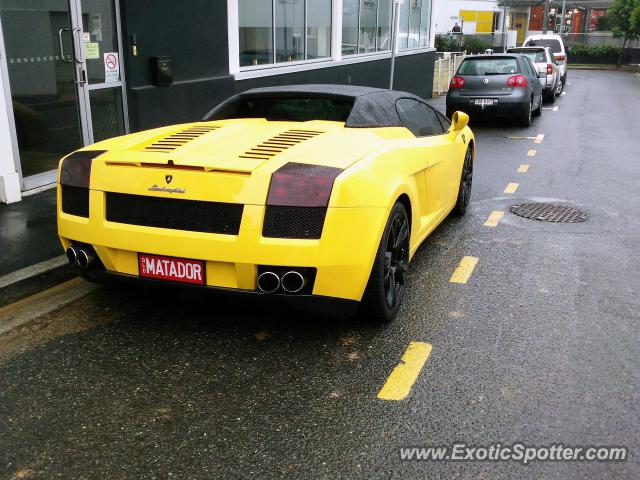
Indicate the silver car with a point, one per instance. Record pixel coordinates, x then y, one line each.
546 63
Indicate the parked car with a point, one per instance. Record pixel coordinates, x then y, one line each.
316 194
504 85
545 63
556 44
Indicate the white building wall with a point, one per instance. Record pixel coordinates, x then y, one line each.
448 11
9 178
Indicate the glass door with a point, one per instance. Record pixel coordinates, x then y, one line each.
66 80
102 58
38 44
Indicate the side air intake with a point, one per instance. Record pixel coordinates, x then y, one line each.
275 145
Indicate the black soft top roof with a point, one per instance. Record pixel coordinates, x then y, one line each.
372 107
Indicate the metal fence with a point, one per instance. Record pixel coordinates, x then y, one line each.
445 69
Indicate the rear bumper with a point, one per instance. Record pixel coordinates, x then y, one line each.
325 306
343 256
505 107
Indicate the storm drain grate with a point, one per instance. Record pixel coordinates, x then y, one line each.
545 212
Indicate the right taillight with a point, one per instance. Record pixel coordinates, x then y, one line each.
549 69
517 81
302 185
560 56
457 82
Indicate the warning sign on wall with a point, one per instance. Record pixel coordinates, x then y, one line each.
111 67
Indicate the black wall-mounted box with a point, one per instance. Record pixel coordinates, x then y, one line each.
161 72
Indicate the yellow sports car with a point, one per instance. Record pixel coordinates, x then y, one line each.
310 193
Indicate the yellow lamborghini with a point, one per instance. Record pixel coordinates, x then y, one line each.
310 193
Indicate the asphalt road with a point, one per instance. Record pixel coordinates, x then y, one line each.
540 346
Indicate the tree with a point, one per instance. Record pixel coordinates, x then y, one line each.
624 20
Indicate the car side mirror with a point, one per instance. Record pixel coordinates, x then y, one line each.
459 120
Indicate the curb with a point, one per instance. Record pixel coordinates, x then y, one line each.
35 278
624 68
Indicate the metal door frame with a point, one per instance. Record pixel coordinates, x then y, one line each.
83 87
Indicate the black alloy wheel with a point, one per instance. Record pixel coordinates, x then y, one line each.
466 180
396 259
387 283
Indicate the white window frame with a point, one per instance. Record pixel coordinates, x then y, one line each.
336 59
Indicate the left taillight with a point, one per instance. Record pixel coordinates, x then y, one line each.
457 82
75 170
75 175
302 185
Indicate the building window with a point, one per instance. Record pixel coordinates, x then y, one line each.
300 30
366 25
350 12
255 19
318 29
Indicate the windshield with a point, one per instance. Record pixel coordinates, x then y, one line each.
291 109
552 43
536 56
489 66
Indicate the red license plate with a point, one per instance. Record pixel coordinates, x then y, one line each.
170 268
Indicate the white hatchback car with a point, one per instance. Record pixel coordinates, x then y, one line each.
548 70
555 43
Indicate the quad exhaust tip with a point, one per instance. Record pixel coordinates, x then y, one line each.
72 255
293 282
268 282
81 257
86 258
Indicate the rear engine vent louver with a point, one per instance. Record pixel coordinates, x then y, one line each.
275 145
176 140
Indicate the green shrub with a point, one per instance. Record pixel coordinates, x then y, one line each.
474 45
594 51
447 43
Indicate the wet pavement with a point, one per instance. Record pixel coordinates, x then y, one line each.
539 346
28 232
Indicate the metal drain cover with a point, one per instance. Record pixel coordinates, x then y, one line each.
546 212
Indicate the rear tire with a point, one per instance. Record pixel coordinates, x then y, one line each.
466 179
538 111
550 97
525 117
386 287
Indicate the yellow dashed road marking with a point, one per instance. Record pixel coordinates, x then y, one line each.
523 168
464 270
511 188
539 138
531 153
404 375
494 218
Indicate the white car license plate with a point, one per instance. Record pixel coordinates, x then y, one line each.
483 102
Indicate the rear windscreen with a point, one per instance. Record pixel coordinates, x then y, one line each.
489 66
290 109
534 56
552 43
